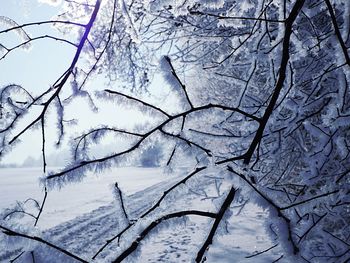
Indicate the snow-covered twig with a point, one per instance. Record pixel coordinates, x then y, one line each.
337 32
119 196
262 252
154 224
157 204
273 204
41 207
63 79
218 217
10 232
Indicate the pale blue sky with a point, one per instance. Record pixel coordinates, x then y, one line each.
40 67
35 69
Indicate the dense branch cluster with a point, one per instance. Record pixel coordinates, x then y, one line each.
262 97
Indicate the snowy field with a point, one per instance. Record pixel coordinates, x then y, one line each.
81 217
19 184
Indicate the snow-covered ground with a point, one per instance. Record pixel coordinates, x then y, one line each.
81 217
19 184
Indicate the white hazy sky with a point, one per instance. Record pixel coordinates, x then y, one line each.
34 69
39 67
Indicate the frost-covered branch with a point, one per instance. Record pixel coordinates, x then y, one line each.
20 209
337 32
119 196
149 133
154 224
262 252
103 51
218 218
138 100
150 210
308 200
41 207
174 74
273 205
236 17
279 84
58 87
191 143
13 233
40 23
31 39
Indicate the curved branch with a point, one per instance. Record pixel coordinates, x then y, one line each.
66 75
152 131
9 50
155 223
41 208
10 232
187 141
276 207
157 204
41 23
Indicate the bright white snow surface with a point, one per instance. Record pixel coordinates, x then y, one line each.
77 198
82 216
